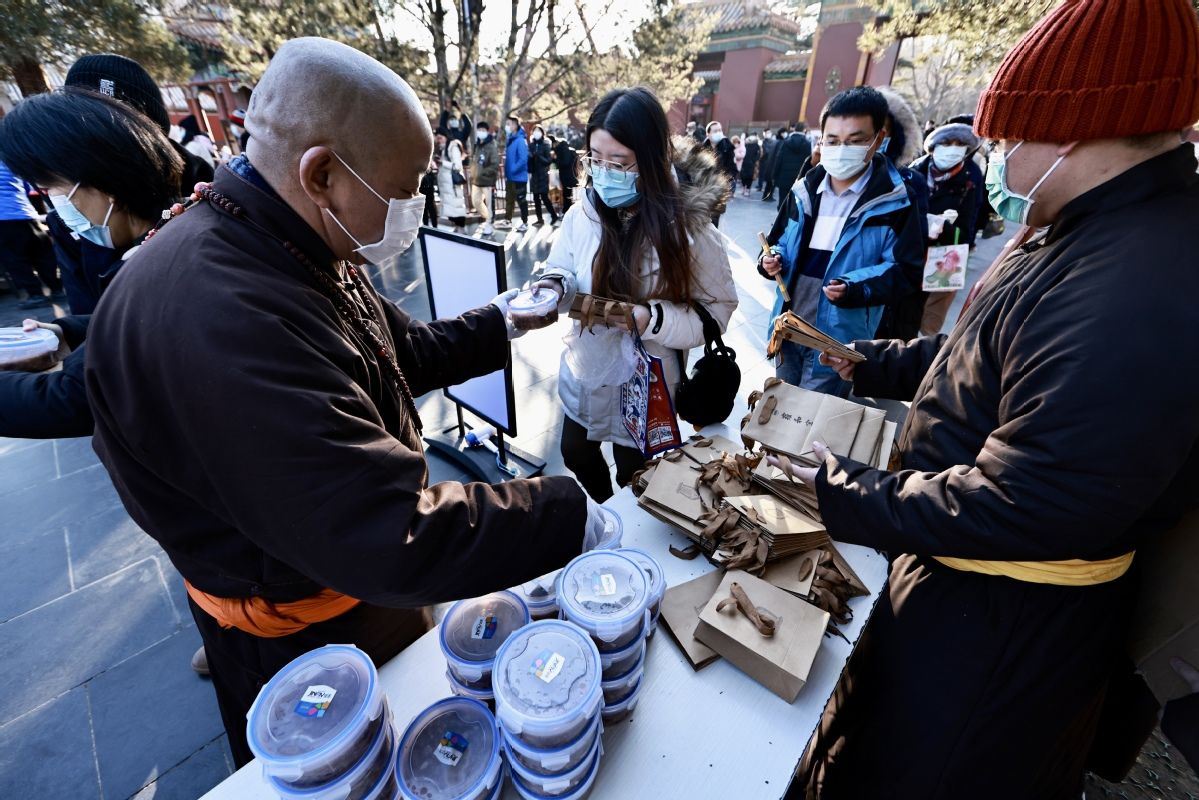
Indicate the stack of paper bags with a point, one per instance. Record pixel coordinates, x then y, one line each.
785 529
793 328
786 420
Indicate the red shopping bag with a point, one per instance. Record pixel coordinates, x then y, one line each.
646 408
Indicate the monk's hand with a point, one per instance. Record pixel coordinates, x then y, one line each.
604 529
64 349
501 302
843 366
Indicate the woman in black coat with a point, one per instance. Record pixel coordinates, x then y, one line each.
540 159
753 152
49 140
567 163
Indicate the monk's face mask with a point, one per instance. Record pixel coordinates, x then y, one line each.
399 229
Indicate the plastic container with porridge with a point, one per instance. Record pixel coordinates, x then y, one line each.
533 309
657 582
540 595
473 631
365 780
557 784
32 351
547 683
606 594
317 717
450 751
555 760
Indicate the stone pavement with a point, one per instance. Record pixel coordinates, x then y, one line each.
94 624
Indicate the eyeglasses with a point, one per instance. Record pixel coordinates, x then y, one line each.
623 169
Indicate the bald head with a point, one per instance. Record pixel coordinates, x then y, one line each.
319 100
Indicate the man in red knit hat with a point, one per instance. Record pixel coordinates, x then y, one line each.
1050 434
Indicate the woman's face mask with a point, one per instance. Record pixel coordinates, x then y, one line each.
948 156
78 222
617 189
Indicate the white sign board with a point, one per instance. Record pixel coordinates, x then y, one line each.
464 274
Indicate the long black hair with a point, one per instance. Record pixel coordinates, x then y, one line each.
79 136
635 118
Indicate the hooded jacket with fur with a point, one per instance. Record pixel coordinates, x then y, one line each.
705 192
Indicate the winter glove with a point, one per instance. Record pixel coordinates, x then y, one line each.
501 302
604 528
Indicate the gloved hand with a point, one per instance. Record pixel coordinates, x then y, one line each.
501 302
603 530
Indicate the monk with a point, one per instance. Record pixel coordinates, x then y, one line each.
254 396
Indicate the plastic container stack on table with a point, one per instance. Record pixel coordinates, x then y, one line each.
657 582
451 751
540 595
36 347
608 594
322 728
471 634
548 700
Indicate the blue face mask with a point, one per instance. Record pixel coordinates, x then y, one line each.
1009 205
616 189
79 224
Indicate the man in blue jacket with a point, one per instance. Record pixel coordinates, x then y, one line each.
845 239
516 175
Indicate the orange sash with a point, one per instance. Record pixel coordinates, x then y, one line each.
269 620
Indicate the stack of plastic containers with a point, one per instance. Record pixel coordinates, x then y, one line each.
322 729
657 582
548 700
472 633
451 751
540 595
607 594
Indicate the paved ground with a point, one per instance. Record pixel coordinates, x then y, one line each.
94 627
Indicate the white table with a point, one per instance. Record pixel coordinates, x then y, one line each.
707 734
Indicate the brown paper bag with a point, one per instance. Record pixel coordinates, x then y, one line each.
780 662
681 607
785 573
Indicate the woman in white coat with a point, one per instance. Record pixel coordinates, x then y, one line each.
643 234
453 196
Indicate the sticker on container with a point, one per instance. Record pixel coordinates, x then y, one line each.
484 627
450 749
603 585
315 701
547 665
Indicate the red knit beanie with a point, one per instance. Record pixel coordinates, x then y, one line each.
1097 69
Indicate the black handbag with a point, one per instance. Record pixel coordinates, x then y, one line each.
708 395
457 177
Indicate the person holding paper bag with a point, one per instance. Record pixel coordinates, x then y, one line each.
846 236
643 234
1031 468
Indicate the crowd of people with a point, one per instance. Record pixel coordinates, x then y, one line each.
1024 480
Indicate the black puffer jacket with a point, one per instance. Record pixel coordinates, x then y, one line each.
1025 439
540 158
789 159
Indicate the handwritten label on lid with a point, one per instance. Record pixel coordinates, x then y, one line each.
484 627
547 665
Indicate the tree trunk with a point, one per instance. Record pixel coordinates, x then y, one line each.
27 74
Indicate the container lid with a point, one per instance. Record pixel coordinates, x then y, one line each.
657 581
604 592
524 790
628 702
451 750
557 783
314 710
534 302
539 592
629 678
546 679
339 789
474 629
611 657
17 345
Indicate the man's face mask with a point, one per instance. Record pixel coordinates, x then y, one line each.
399 229
78 222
